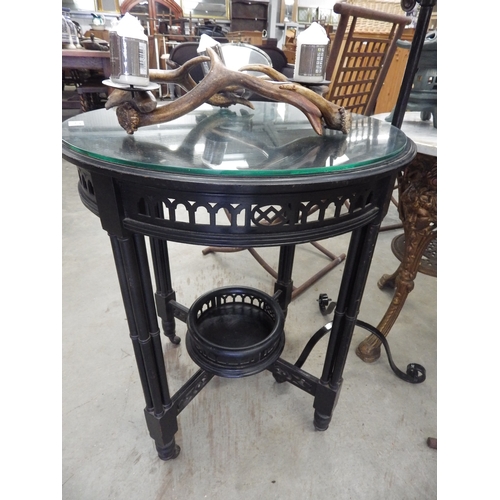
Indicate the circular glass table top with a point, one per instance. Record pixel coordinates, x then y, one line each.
274 139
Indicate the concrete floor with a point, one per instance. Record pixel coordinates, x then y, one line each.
240 438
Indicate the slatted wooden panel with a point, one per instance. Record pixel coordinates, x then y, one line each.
358 72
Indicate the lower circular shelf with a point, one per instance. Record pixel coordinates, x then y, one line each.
235 331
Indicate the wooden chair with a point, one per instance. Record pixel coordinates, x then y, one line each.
359 60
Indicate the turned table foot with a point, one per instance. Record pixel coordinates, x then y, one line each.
418 213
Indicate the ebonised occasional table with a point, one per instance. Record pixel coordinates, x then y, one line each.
233 177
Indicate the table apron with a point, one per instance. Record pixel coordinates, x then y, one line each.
279 216
249 239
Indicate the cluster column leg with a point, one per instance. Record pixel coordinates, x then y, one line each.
164 291
284 282
135 283
359 256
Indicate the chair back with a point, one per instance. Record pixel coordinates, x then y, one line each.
358 62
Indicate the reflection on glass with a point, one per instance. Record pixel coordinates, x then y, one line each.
215 148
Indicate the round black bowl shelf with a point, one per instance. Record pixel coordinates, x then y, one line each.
235 331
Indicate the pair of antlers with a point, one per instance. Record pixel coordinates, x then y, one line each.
138 109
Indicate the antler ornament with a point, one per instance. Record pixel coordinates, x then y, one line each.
218 87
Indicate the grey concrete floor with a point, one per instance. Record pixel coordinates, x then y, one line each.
247 438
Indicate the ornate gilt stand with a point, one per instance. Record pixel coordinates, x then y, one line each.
417 186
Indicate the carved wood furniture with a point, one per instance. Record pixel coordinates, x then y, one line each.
175 182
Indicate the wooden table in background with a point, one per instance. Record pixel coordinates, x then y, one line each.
86 59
